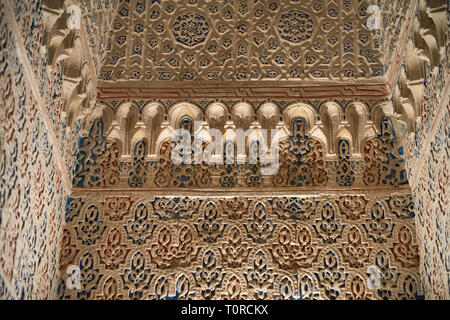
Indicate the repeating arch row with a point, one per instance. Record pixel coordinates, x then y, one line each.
425 47
61 43
128 123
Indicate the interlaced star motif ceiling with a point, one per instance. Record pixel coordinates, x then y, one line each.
241 43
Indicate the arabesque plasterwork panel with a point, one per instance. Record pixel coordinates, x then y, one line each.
238 247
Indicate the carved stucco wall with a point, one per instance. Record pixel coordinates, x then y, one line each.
431 198
105 187
427 155
45 86
32 188
309 246
422 97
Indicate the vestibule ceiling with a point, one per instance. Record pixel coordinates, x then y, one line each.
285 48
